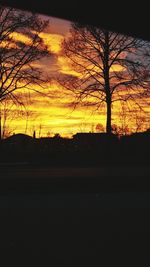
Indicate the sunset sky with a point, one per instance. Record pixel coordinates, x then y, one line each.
56 113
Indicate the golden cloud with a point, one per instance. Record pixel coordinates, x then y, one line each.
53 41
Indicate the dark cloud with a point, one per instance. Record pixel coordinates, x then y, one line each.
80 105
67 77
49 65
56 25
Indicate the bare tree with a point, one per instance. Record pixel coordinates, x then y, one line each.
30 117
109 66
131 121
20 49
124 118
140 121
82 127
40 130
99 128
8 113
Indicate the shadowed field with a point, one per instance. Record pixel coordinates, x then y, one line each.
105 178
78 229
75 216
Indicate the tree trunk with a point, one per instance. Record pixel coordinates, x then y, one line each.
0 122
107 82
108 122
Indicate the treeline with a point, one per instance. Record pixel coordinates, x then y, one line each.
84 149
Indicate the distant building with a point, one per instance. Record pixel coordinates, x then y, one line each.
95 141
94 136
87 135
18 140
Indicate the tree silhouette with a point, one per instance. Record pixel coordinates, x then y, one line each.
110 67
6 117
20 49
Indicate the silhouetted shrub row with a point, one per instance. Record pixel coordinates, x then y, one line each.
83 149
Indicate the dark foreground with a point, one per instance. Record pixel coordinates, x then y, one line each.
75 216
19 178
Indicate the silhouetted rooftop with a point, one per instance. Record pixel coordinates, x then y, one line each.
18 138
93 135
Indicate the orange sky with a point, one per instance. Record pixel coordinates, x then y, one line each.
55 114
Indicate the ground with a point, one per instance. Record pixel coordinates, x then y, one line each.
65 217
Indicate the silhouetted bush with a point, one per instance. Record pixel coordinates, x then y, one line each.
82 150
